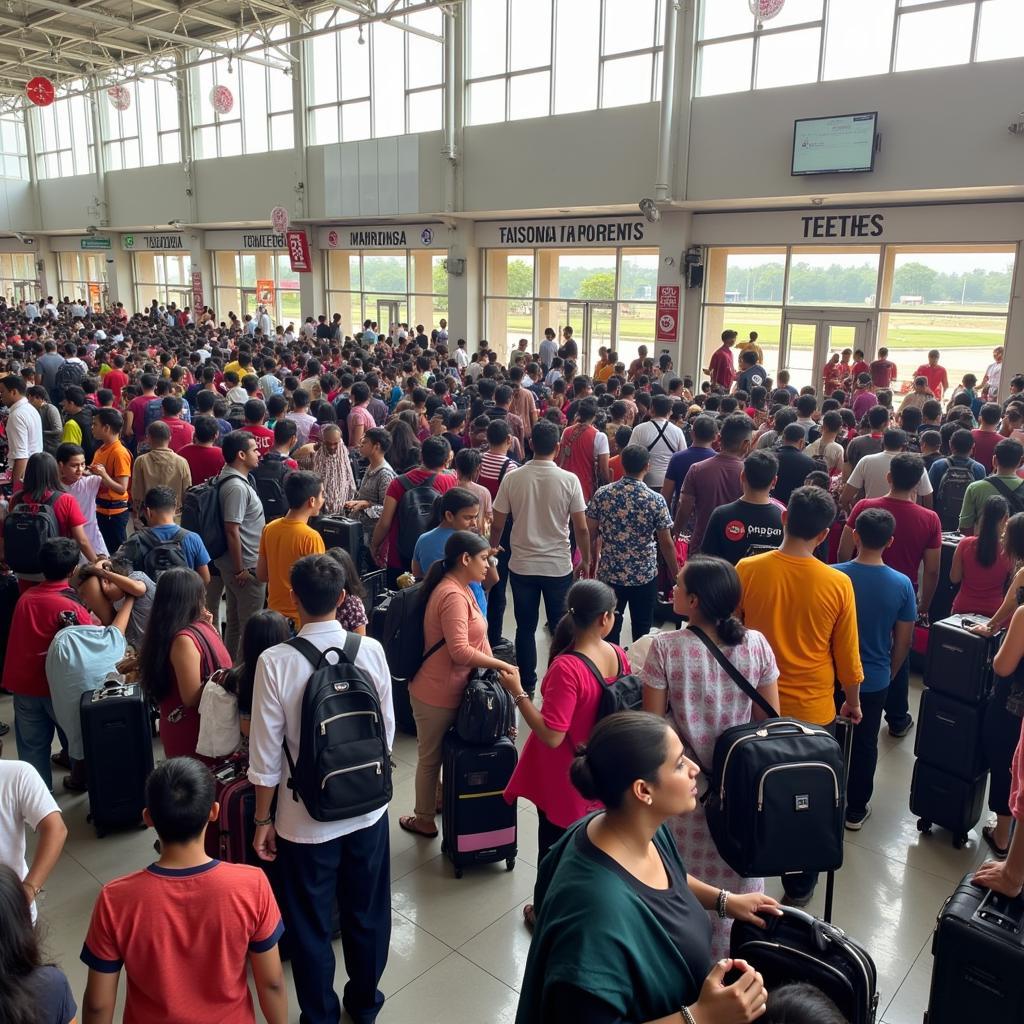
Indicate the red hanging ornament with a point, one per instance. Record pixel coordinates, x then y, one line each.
221 99
120 98
765 10
40 91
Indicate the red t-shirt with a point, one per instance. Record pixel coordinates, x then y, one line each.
65 508
883 373
918 530
203 460
722 369
859 367
264 437
985 442
183 936
116 381
181 432
35 623
137 407
442 482
936 377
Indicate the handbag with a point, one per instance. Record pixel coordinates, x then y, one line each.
487 711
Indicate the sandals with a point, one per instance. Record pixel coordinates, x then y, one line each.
529 917
988 834
408 824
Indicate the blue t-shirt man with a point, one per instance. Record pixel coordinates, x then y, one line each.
680 463
883 597
192 546
430 549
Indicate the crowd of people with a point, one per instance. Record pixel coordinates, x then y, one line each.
798 532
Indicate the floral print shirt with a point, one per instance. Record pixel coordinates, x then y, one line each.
629 514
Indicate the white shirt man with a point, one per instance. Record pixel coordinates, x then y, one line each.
264 323
24 429
31 310
77 309
870 475
661 438
51 310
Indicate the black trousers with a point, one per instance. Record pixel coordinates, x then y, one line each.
547 834
1000 734
640 599
353 871
864 752
497 597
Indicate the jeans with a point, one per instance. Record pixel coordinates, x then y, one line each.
113 529
34 726
354 872
864 753
897 704
526 595
497 599
214 592
640 598
243 604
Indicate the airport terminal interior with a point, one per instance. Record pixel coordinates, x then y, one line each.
834 180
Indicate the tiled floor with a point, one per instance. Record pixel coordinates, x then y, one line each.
458 947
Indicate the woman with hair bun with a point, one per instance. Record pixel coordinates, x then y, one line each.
571 692
622 930
682 677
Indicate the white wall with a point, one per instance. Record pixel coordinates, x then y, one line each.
148 196
65 202
941 128
17 208
244 188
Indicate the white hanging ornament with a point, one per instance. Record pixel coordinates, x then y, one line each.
222 99
765 10
279 219
120 98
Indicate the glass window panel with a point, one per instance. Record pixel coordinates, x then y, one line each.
324 65
170 147
247 268
425 111
1001 31
745 275
254 106
638 275
966 342
627 80
354 64
384 273
629 24
10 132
279 85
510 273
62 113
969 281
131 154
529 95
530 36
858 38
487 102
584 274
167 101
115 160
46 122
206 143
439 276
935 38
725 67
354 271
388 80
487 38
426 62
355 121
324 126
282 131
790 58
508 320
833 277
725 18
67 164
634 327
577 43
231 139
796 12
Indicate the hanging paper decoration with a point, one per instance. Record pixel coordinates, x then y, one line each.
40 91
765 10
120 98
279 218
221 99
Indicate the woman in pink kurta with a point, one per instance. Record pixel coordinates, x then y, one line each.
682 677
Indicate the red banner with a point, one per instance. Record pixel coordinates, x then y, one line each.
668 313
197 292
298 251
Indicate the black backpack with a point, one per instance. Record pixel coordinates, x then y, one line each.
201 513
776 796
625 694
949 496
268 477
487 711
398 625
236 415
1014 498
27 527
343 767
69 375
153 556
417 512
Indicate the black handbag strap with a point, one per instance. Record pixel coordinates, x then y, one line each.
733 672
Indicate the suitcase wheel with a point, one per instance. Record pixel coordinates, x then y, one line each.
510 863
923 825
458 872
960 841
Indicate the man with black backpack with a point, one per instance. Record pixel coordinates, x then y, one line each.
410 508
951 477
164 545
329 833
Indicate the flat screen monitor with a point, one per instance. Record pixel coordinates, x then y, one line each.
834 145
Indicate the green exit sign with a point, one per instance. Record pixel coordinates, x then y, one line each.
94 243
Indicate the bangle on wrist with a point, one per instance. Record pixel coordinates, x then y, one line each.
36 889
721 902
520 697
684 1012
262 822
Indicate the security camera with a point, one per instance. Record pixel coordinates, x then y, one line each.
176 224
91 230
650 211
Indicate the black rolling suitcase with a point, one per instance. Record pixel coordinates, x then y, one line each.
945 591
978 959
339 532
478 826
949 735
399 687
797 947
940 798
375 584
959 663
118 746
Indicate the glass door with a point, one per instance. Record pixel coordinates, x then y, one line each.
799 346
593 326
388 314
808 342
249 303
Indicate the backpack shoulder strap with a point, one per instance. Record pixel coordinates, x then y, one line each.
351 647
405 482
309 651
733 672
179 536
1014 497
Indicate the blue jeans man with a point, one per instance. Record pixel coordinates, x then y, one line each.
34 726
526 594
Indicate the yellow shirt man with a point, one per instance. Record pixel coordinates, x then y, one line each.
806 610
284 541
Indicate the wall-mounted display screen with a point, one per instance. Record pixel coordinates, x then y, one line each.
834 145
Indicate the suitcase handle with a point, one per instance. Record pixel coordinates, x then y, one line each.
762 730
991 915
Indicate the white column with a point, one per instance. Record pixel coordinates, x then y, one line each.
465 291
1013 356
674 237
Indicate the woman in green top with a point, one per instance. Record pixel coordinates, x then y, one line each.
623 935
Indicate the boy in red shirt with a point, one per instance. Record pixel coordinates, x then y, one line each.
185 928
934 374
